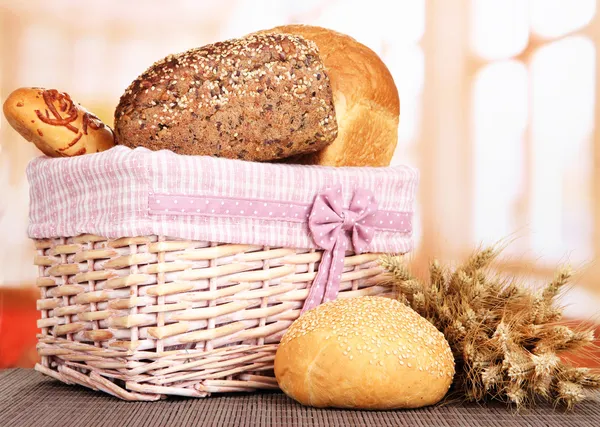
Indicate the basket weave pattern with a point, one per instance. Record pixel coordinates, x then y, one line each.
145 317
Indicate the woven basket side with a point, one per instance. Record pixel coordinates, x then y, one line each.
125 310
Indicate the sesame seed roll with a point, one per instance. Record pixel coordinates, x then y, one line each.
367 353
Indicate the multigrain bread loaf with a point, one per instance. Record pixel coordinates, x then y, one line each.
299 93
365 97
56 124
366 353
262 97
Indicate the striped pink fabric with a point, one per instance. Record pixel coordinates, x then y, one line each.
110 194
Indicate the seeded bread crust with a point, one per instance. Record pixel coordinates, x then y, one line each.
364 353
262 97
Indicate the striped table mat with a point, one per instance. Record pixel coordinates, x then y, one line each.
29 399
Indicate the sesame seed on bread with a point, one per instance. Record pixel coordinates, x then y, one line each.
262 97
366 353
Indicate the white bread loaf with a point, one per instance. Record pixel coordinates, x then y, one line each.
364 353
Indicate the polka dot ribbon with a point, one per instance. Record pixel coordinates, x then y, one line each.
330 224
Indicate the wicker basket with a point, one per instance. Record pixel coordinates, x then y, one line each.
182 317
150 316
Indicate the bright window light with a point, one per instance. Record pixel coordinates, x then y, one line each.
555 18
499 121
499 29
563 87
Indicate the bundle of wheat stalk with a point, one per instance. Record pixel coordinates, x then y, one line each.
506 338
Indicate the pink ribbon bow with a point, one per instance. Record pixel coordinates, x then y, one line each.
329 224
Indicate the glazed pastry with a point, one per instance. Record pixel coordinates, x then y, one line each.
55 123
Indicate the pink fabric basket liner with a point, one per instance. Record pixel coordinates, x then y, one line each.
123 192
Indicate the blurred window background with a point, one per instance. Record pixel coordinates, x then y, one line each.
498 108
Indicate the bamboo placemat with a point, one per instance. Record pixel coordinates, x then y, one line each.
27 398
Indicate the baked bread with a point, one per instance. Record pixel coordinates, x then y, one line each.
364 353
261 97
365 97
56 124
